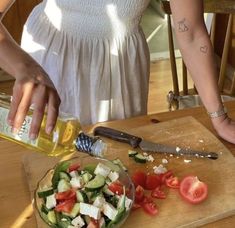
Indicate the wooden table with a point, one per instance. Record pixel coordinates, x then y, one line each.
16 209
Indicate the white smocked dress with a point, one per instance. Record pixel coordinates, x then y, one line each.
95 53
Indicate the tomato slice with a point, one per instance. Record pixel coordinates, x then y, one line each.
165 176
150 208
135 206
65 206
193 190
139 194
116 187
93 224
152 181
69 194
158 193
74 167
172 182
139 178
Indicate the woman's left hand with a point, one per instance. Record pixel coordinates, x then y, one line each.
225 128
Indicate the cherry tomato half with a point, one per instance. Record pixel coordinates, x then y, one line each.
116 187
65 206
139 178
193 190
152 181
172 182
158 193
74 167
150 208
69 194
139 194
165 176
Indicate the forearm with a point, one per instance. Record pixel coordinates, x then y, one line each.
12 57
199 58
196 50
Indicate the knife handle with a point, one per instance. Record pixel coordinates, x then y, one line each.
118 136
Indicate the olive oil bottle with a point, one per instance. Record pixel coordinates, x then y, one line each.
63 140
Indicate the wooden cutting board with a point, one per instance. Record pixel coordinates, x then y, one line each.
173 211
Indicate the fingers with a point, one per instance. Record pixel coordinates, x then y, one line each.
52 110
21 101
39 103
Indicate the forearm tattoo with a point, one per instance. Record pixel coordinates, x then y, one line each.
182 26
204 49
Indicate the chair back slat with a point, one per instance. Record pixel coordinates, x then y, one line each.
224 59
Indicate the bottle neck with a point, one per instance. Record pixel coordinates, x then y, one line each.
91 145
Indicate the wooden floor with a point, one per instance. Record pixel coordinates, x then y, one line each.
159 86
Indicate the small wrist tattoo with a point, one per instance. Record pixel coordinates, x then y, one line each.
182 27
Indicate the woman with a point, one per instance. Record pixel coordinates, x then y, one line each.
97 58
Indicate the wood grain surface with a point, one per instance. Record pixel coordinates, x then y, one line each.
173 212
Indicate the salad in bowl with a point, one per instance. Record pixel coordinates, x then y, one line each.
85 192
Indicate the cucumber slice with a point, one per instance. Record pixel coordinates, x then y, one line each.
44 209
61 167
132 153
107 191
82 196
63 185
86 177
121 212
96 183
90 168
46 192
95 194
64 175
87 219
51 217
118 162
140 158
62 221
73 213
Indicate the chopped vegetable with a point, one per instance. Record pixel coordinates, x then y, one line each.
193 190
92 197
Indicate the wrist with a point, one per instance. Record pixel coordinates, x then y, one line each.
216 114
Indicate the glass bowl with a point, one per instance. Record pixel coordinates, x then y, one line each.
87 161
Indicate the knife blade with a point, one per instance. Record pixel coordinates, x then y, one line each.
148 146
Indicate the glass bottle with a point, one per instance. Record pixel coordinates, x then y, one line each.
66 137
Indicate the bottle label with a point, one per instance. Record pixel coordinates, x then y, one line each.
22 135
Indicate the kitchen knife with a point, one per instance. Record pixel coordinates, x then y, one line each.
144 145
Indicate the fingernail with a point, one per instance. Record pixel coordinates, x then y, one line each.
10 122
33 136
14 130
49 129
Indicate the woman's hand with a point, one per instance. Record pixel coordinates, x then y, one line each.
225 128
33 87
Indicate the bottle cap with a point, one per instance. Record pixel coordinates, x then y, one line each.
91 145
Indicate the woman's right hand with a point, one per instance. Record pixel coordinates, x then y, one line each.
33 87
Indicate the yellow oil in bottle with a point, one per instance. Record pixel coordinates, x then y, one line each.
59 142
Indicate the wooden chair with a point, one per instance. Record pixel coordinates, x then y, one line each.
180 99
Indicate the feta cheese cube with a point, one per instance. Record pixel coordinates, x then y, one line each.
102 170
51 201
110 211
113 176
164 161
90 210
159 169
74 173
99 202
150 158
128 202
77 182
78 221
